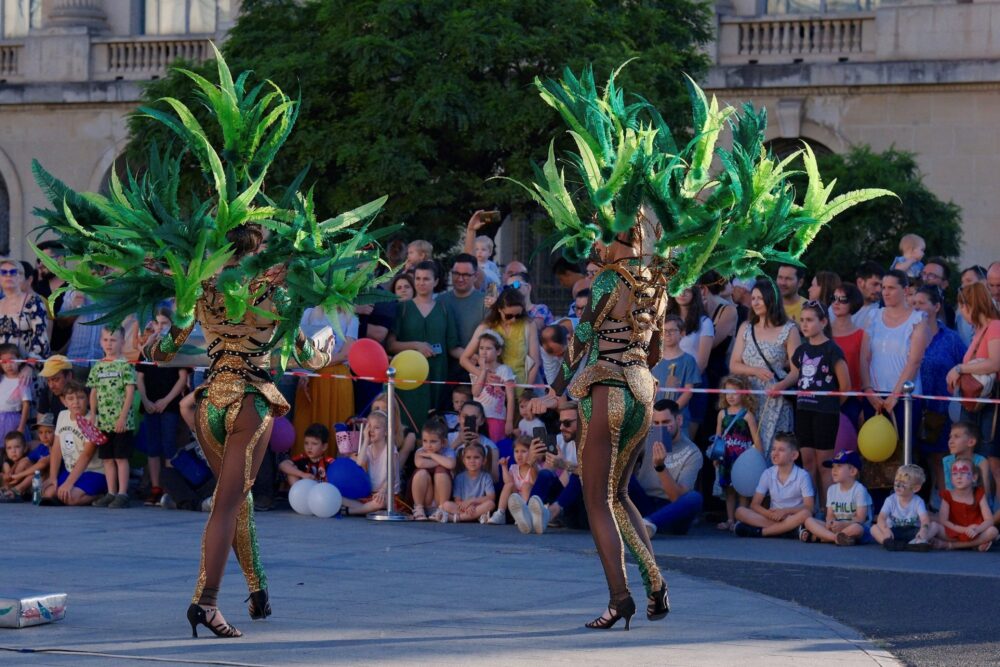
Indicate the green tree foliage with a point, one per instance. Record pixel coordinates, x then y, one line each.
871 230
424 100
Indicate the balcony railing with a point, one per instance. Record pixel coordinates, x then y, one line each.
795 39
139 58
10 63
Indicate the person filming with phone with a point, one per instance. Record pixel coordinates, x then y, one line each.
557 496
662 487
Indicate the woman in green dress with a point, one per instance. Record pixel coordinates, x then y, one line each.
424 325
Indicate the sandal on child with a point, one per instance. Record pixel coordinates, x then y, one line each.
419 514
724 525
985 546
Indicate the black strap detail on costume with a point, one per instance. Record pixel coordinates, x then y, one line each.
619 362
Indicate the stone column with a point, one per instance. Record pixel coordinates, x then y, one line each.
78 14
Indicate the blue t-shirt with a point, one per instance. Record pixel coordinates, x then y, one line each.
677 372
467 488
946 350
38 453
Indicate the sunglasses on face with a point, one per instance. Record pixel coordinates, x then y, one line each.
841 299
9 272
511 316
567 422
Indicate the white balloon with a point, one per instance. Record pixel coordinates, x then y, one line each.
746 472
324 500
298 495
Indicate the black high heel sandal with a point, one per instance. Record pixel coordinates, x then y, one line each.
624 608
259 606
660 605
198 615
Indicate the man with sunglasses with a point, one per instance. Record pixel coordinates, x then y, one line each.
662 487
937 273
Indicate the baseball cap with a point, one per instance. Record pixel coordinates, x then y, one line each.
45 419
54 365
848 457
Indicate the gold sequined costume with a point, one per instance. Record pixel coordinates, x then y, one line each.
235 409
618 341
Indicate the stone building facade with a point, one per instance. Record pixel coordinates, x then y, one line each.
70 73
920 75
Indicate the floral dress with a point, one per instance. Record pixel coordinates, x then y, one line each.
29 330
775 413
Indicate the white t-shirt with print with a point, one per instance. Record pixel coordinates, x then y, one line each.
846 503
791 493
12 394
901 517
71 443
493 397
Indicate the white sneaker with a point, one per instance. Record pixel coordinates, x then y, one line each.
522 519
499 518
206 504
167 502
539 514
650 528
484 518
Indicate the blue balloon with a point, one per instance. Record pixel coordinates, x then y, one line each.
350 479
747 470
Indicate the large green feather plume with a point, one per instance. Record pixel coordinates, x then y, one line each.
151 245
734 219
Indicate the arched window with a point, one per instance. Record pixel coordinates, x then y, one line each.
4 218
19 16
784 147
182 17
820 6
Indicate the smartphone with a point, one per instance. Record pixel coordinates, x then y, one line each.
664 436
550 444
490 217
469 422
539 433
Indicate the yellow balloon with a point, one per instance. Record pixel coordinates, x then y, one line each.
411 369
877 439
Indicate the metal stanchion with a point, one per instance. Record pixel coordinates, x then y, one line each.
389 513
908 389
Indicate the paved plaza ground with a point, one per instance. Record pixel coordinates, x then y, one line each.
357 592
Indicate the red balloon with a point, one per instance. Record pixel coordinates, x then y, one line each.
368 359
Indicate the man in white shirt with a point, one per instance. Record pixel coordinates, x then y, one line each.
662 487
869 281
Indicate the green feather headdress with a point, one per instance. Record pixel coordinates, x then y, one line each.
628 163
151 246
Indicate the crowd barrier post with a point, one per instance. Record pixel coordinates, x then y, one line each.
389 513
908 389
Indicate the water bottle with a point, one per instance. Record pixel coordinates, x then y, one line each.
36 487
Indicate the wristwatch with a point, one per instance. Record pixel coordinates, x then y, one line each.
660 468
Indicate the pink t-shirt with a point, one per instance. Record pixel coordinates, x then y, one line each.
981 343
493 397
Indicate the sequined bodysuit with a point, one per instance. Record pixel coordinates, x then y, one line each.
618 342
235 408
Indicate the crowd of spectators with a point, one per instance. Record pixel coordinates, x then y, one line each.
481 441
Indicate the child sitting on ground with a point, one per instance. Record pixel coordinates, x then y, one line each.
790 489
965 520
473 492
15 397
312 463
962 441
903 524
435 461
493 386
460 395
75 473
529 421
848 505
15 462
39 450
518 477
472 423
371 457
